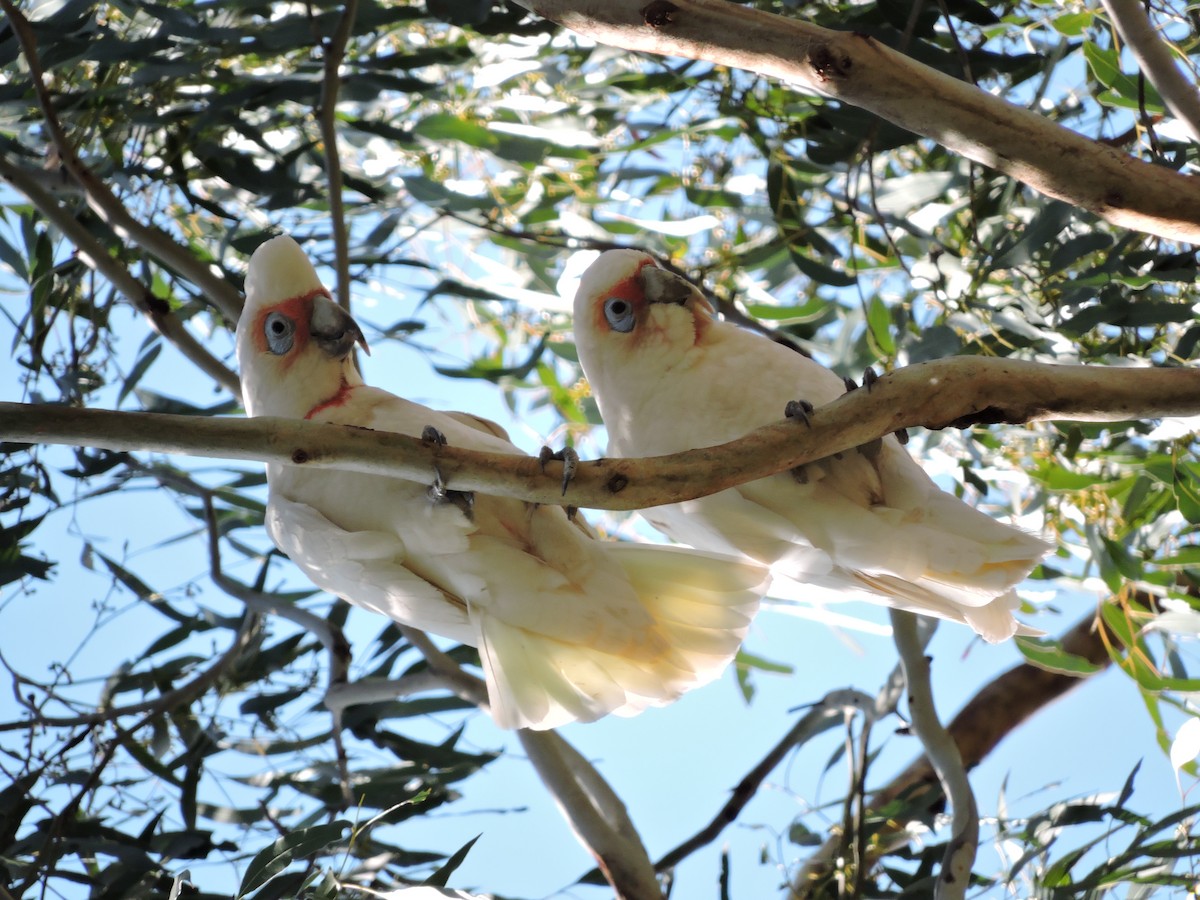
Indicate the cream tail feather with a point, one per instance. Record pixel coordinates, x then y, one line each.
568 627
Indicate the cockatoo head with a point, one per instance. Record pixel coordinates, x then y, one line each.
634 321
294 344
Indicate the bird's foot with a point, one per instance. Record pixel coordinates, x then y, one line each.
799 474
567 456
870 376
431 435
799 409
440 494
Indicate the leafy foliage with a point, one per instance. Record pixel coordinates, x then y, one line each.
480 147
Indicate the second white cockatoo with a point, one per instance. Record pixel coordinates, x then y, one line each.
669 376
568 627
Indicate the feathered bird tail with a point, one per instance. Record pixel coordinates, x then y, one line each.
700 606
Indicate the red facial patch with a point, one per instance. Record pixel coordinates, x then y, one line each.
299 310
628 289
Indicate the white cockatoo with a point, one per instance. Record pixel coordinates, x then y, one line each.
568 627
669 376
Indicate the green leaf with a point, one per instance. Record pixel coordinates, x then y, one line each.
272 860
1049 655
879 324
442 875
449 127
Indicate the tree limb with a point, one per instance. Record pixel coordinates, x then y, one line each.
859 70
942 752
955 392
603 829
93 254
1156 61
103 202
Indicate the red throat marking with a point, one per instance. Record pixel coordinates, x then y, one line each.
338 399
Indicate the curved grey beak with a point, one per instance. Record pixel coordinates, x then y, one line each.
663 286
333 329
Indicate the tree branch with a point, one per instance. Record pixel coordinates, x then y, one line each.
859 70
334 51
96 257
1156 61
103 202
955 392
604 829
955 877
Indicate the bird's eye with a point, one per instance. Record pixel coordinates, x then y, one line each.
619 314
280 332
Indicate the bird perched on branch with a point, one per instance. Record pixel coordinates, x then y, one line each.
669 376
568 627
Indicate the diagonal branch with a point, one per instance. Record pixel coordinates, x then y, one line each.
858 70
96 258
1156 61
956 392
602 827
825 714
103 201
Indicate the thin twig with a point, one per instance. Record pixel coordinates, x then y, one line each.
955 877
825 714
955 392
93 254
1156 61
466 686
180 696
105 204
334 52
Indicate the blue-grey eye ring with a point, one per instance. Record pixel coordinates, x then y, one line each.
280 332
619 313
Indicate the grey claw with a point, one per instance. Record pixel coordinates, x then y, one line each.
569 459
870 376
902 435
851 384
438 493
800 475
432 436
799 409
572 512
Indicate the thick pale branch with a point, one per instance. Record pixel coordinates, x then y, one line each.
1156 61
859 70
616 847
953 392
96 258
943 753
103 201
